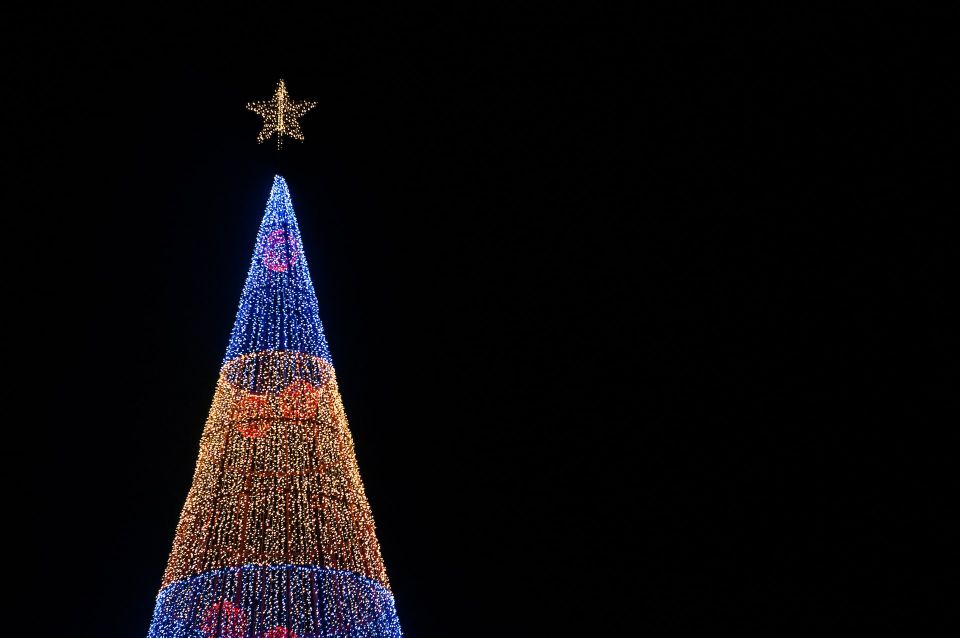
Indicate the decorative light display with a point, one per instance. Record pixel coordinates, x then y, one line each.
276 539
280 115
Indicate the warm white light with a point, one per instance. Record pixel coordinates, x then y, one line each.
280 115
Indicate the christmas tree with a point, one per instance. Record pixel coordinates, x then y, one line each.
276 539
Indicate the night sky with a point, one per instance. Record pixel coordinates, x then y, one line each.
612 299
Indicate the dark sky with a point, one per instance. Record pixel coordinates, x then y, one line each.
611 299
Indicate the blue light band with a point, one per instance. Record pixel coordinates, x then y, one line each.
275 600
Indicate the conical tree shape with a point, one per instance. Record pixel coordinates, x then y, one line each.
276 539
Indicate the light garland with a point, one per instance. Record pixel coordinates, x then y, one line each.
276 539
280 115
277 601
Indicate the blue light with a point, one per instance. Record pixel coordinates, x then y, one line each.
278 308
307 601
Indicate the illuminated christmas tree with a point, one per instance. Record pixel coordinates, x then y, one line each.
276 539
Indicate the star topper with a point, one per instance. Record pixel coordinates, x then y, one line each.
280 115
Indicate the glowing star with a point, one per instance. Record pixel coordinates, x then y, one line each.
280 115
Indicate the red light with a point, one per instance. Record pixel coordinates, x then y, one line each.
224 620
253 414
300 400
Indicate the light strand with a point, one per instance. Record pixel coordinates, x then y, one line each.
276 538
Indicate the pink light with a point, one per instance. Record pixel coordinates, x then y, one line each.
280 251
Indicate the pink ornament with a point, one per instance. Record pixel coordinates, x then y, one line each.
280 251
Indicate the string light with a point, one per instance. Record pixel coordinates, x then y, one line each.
283 601
276 539
280 115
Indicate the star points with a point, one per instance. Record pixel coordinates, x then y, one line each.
280 115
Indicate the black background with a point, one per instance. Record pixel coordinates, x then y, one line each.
621 305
